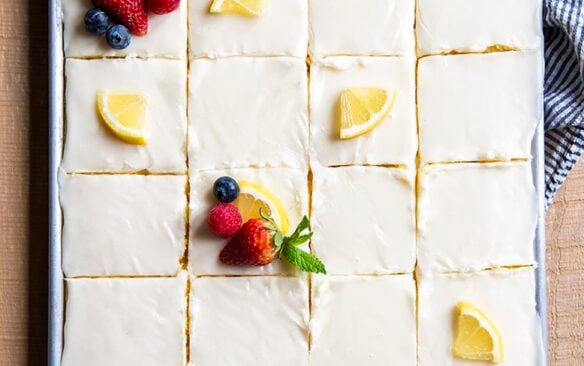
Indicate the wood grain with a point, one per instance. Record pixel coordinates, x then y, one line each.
565 261
23 207
23 182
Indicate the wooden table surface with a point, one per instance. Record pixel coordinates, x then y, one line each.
23 207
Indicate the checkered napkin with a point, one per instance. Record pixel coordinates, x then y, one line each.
564 89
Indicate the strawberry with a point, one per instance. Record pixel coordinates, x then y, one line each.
252 245
162 6
131 13
224 220
259 242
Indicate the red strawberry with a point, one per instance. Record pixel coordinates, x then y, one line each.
224 220
162 6
252 245
131 13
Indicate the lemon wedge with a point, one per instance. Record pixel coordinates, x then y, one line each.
253 197
250 8
124 113
477 338
363 109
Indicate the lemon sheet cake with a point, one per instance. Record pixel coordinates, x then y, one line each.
394 141
216 150
363 320
168 38
259 321
476 216
91 147
364 219
246 111
281 30
291 186
141 229
506 297
355 27
126 321
478 107
476 25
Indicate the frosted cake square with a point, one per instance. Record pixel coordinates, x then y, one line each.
248 112
506 297
476 216
476 25
281 29
361 320
167 36
394 141
89 144
478 107
141 227
358 27
123 321
260 321
290 185
363 219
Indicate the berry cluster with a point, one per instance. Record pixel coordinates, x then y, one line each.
256 242
224 219
119 19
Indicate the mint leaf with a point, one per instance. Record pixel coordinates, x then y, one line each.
297 257
304 261
300 240
304 224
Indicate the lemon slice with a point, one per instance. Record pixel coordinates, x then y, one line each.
124 113
363 109
242 7
477 338
253 197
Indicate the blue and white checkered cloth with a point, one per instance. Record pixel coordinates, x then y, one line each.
564 89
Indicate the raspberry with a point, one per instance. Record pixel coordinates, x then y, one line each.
131 13
162 6
224 220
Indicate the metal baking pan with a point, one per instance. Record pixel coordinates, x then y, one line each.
56 123
56 87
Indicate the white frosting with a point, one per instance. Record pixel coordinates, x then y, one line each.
363 321
479 107
394 141
507 297
261 321
282 29
126 322
248 112
290 185
474 25
90 146
123 224
475 216
344 63
167 36
358 27
363 219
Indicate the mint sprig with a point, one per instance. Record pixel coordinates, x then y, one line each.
303 260
287 246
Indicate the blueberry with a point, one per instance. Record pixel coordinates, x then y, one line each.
118 37
226 189
97 21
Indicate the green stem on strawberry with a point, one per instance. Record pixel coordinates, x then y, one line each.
287 247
